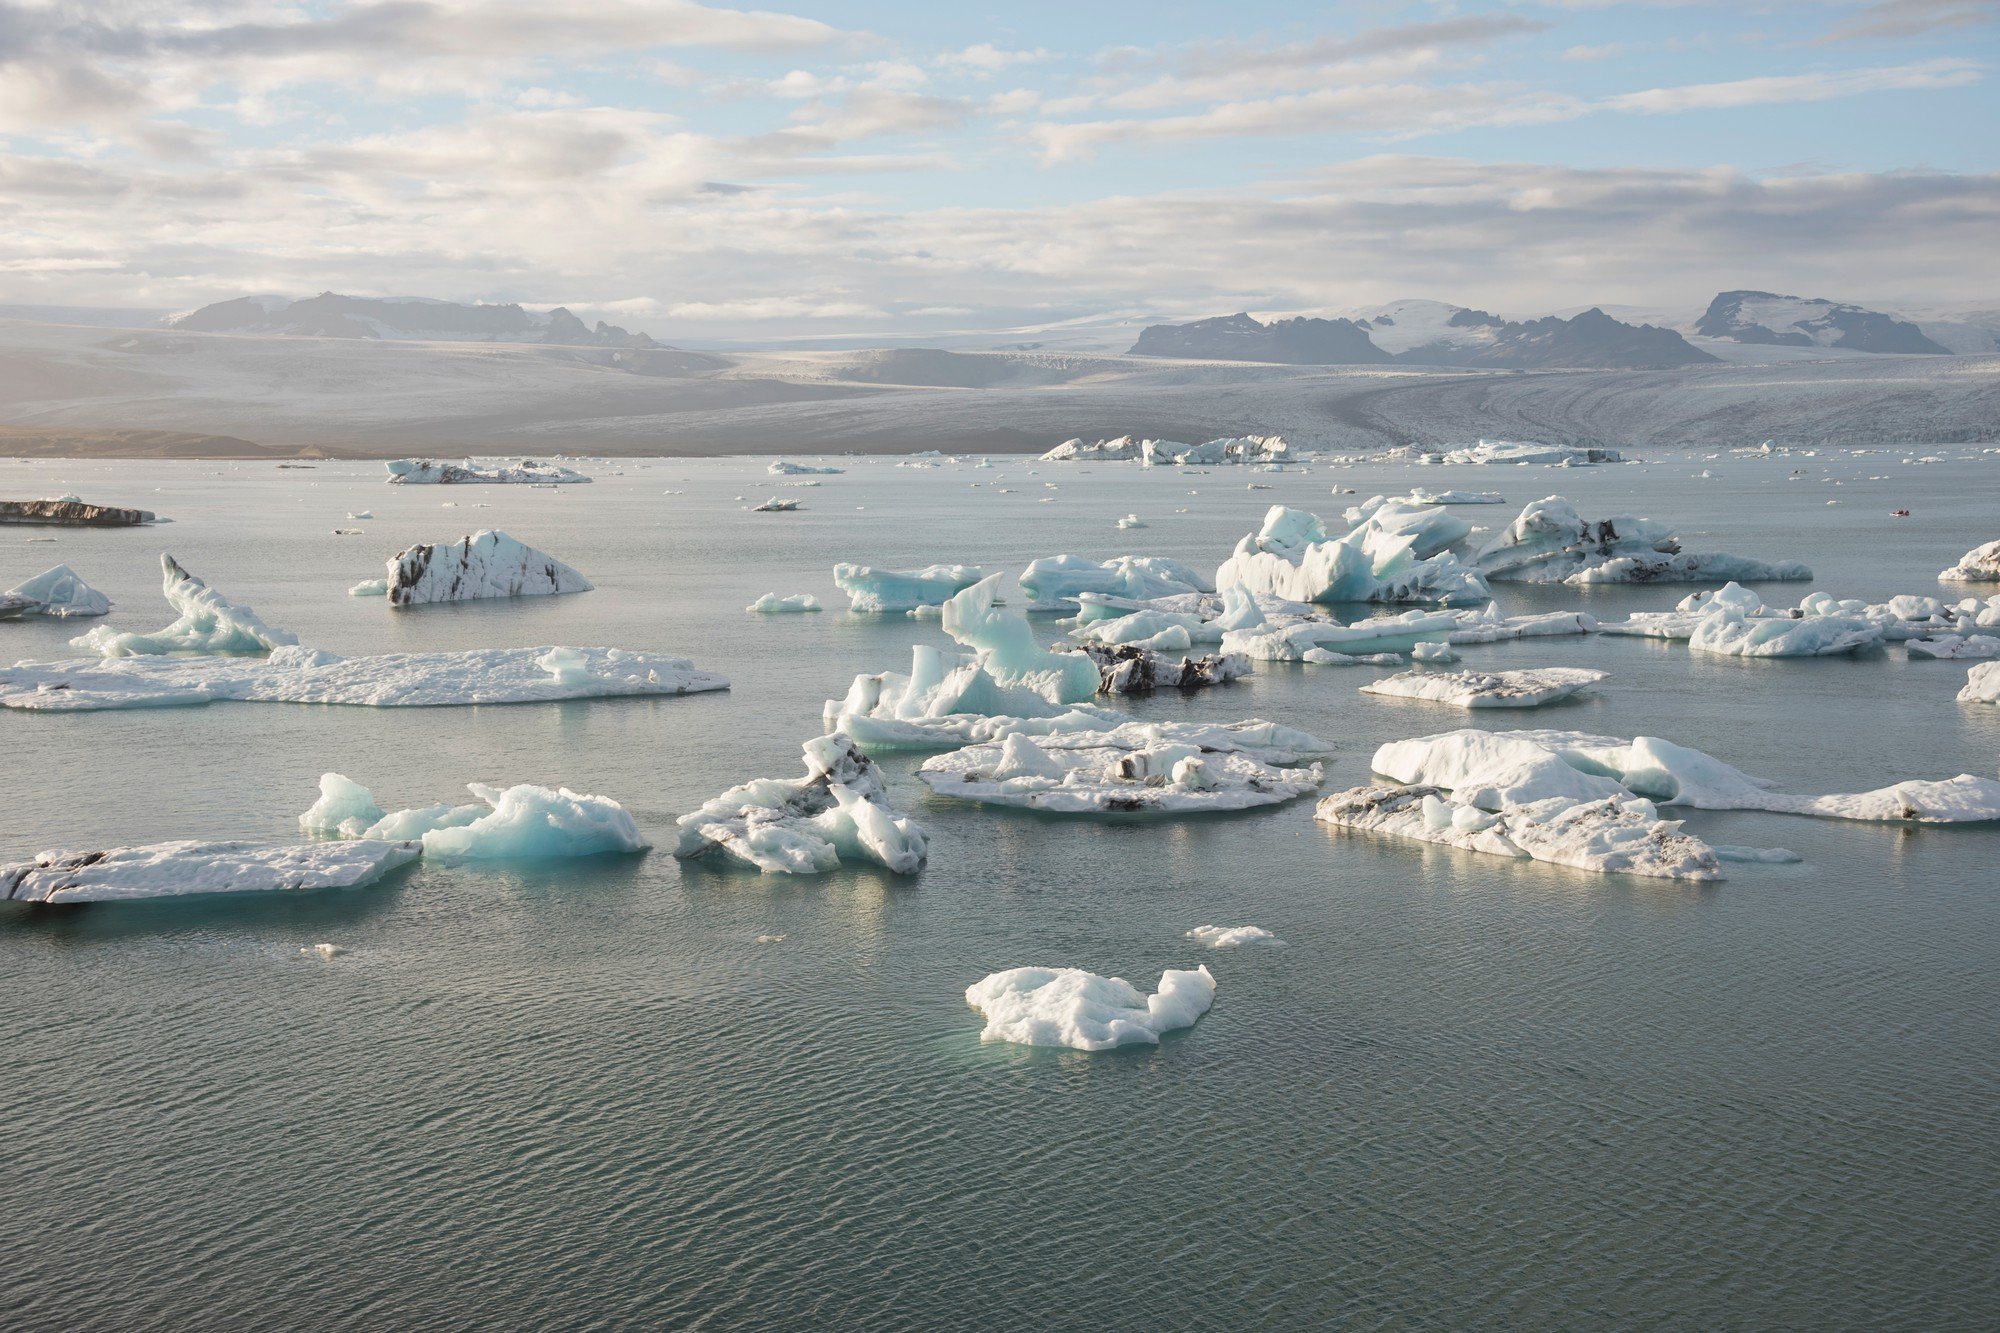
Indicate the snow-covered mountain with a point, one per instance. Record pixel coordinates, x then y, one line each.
411 319
1427 333
1792 321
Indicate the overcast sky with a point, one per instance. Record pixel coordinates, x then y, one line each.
704 171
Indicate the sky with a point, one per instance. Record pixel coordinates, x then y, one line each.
876 169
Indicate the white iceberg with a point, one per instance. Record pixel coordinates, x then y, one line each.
526 472
59 592
1730 633
774 505
174 869
488 563
1058 582
1258 449
1953 647
370 588
806 826
392 680
209 624
1497 770
1487 625
1502 453
1548 542
1420 497
876 590
1131 769
1982 684
1611 835
1292 557
1529 688
1066 1006
1327 642
1230 937
772 604
1979 565
523 822
782 468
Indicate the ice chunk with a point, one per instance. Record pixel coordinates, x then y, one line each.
1953 646
1982 684
344 808
1728 632
1292 557
1057 582
1513 453
1487 625
172 869
1258 449
1066 1006
523 822
1420 497
1549 543
526 472
209 623
307 676
1009 652
772 604
1229 937
1131 521
1433 653
775 505
1135 670
370 588
1327 641
1487 689
1137 768
871 589
60 592
804 826
487 563
1979 565
1611 835
782 468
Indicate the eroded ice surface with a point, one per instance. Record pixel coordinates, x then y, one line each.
1955 647
174 869
1293 557
1528 688
59 592
782 468
1066 1006
1611 835
1161 453
392 680
839 811
1230 937
1128 669
1285 638
1982 684
770 604
209 623
1494 770
1548 542
1979 565
1516 452
487 563
1420 496
1055 582
877 590
522 822
1132 769
526 472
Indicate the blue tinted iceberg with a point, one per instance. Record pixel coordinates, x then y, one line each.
1055 582
209 624
523 822
1291 556
59 592
839 811
1548 542
876 590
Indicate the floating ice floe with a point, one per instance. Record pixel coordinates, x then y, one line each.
526 472
522 822
1982 684
392 680
876 590
209 624
68 511
1955 647
1229 937
1611 835
1057 582
488 563
1131 521
1291 556
782 468
370 588
806 826
1517 452
1494 770
1419 497
1127 669
1487 625
772 604
1066 1006
1734 620
1529 688
1979 565
1131 769
1549 543
58 592
1172 453
1286 638
774 505
173 869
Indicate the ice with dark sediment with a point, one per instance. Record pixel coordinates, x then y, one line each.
525 472
838 813
1548 542
483 564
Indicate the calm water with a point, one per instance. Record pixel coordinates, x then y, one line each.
1468 1092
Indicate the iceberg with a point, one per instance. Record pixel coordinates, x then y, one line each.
526 472
1982 684
1954 647
1162 631
876 590
772 604
1066 1006
1730 633
309 676
1979 565
1549 543
523 822
488 563
1489 626
774 505
1132 769
1134 670
1291 556
1421 497
1610 835
1498 453
174 869
370 588
1057 582
1497 770
1257 449
782 468
806 826
1487 689
1329 642
209 624
1229 937
59 592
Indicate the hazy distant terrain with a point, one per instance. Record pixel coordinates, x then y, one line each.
96 391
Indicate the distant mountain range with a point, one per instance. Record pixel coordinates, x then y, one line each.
329 315
1769 319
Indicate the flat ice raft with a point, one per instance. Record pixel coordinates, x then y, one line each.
174 869
296 675
1131 769
1487 689
1067 1006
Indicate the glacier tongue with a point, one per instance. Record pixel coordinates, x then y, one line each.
487 563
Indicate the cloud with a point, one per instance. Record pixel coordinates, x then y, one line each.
1894 19
1772 89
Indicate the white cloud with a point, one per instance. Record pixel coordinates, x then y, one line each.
1778 88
